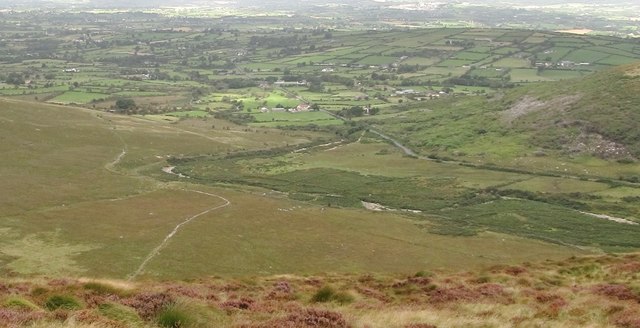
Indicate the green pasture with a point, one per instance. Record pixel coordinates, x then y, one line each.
526 75
299 118
510 62
78 97
190 113
377 60
455 63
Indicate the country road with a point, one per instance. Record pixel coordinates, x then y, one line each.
404 148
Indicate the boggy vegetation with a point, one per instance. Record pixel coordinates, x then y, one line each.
598 291
439 196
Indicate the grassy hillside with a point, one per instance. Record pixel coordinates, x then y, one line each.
595 115
84 193
600 291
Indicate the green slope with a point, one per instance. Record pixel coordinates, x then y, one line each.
603 107
581 126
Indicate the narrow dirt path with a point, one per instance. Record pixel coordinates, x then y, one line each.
118 159
154 252
111 166
175 230
610 218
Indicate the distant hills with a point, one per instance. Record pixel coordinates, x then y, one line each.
160 3
283 3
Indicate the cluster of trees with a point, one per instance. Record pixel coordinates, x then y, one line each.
357 111
125 105
382 77
14 79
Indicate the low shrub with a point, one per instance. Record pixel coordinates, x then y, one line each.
282 290
616 291
39 291
240 304
423 274
484 292
149 304
18 318
315 318
628 319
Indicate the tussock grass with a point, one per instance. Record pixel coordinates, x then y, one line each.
174 317
329 294
20 303
64 302
120 313
324 294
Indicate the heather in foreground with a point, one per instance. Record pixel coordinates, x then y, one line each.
595 291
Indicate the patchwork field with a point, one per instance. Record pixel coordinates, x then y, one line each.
253 76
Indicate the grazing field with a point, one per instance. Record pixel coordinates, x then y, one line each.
78 97
260 235
187 114
301 118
